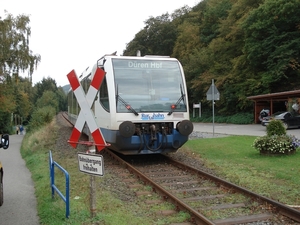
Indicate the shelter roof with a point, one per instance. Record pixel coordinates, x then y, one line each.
278 95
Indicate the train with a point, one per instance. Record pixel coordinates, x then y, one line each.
141 106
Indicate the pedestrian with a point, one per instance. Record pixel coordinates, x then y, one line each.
21 129
17 129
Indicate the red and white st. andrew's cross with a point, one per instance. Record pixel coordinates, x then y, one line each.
86 114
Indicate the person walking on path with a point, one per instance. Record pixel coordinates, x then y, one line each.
21 129
20 203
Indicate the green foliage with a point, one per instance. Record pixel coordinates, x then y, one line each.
62 100
275 127
15 54
276 141
41 116
49 98
282 144
158 37
7 105
239 118
17 96
271 37
5 118
46 84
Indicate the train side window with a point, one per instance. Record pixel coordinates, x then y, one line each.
104 99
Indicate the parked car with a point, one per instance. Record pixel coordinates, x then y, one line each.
4 143
265 121
290 120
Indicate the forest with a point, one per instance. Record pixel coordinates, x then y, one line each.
249 47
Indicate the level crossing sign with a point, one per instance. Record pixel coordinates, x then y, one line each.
86 115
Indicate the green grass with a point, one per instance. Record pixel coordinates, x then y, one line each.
233 158
110 209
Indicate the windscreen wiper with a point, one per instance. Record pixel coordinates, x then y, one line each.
173 107
118 98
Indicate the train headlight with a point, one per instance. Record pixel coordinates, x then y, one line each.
127 129
185 127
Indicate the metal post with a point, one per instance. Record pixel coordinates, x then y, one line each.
93 199
199 109
93 206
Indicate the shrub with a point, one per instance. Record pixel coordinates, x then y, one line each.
284 144
275 127
239 118
40 117
276 141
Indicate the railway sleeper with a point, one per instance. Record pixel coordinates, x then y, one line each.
244 219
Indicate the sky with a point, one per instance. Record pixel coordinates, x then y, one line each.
73 34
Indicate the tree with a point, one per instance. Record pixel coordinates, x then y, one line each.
62 99
15 54
47 84
272 47
58 96
157 38
49 98
7 105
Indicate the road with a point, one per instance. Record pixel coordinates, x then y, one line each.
19 205
237 129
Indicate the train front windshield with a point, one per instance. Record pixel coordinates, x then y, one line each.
149 85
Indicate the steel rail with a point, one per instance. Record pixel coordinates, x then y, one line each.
281 208
196 217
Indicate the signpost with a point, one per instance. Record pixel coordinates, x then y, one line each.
213 94
88 163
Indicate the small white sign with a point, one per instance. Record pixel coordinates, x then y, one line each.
91 164
196 106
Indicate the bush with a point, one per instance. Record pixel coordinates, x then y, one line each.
239 118
276 141
284 144
40 117
276 127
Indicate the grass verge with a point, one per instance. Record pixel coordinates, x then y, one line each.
234 159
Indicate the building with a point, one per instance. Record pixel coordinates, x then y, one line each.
280 101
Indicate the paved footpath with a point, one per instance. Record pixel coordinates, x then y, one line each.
19 207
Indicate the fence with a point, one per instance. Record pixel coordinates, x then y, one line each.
65 198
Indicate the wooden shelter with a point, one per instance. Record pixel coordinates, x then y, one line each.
280 101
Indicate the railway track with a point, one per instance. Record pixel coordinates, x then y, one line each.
208 199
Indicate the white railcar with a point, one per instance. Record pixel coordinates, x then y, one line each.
142 104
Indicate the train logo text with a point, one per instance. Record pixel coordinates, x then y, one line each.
154 116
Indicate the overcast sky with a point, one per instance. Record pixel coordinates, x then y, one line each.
70 34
